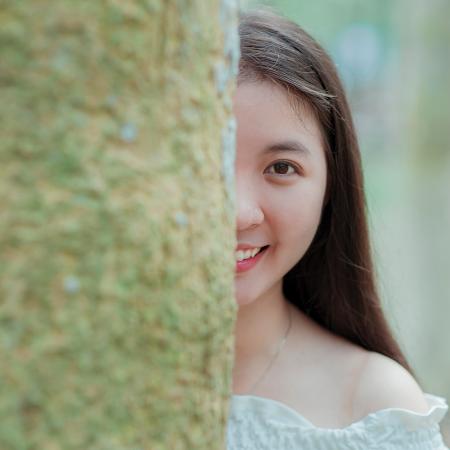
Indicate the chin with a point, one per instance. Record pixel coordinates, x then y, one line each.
239 301
243 301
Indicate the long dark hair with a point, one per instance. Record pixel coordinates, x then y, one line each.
334 282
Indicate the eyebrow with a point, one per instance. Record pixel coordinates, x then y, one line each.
287 146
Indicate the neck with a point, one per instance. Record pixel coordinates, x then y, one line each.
260 327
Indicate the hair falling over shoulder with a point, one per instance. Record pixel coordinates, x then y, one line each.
334 283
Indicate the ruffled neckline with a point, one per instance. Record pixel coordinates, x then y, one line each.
411 420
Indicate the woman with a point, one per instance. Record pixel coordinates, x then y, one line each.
316 366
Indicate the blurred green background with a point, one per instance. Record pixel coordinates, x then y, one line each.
394 59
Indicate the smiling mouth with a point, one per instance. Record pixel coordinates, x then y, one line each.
262 249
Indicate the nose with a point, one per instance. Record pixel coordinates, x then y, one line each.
249 212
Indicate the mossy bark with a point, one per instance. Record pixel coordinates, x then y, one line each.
116 224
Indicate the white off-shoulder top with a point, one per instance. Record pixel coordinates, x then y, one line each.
258 423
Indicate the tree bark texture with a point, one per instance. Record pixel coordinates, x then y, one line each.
116 223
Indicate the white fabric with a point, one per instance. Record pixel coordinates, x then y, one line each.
258 423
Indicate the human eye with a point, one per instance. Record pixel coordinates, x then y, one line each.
283 167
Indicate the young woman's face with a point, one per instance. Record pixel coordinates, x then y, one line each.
281 177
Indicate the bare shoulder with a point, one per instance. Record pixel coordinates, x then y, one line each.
384 383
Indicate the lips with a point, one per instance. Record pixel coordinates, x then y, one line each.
247 264
249 247
262 249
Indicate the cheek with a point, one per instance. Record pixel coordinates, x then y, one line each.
298 221
301 208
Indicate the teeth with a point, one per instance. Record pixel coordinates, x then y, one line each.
250 253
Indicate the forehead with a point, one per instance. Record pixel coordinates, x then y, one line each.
267 116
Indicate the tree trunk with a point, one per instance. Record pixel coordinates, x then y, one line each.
116 224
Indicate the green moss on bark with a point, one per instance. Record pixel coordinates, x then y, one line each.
116 267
